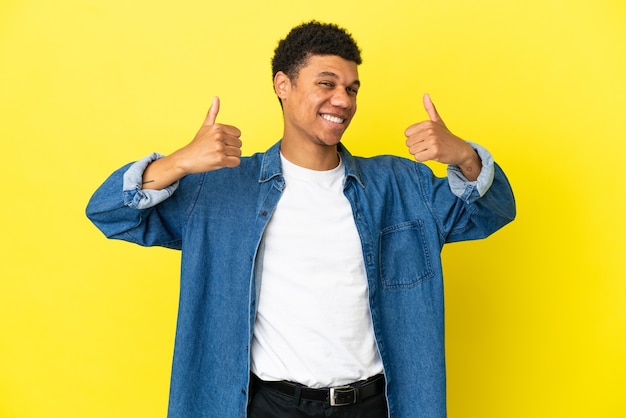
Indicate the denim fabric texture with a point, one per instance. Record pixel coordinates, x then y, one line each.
404 215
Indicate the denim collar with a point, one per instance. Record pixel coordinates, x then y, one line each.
271 166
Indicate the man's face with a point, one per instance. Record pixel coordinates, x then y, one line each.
320 103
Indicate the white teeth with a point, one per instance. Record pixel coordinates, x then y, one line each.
332 119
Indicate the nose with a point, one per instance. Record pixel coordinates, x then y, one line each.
341 99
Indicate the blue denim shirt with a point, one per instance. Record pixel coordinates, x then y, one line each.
403 214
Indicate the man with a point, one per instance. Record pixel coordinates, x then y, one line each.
311 281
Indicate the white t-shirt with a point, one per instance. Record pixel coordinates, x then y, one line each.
313 324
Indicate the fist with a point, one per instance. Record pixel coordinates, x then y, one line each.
432 141
215 145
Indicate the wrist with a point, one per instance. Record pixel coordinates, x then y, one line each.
178 165
162 173
471 164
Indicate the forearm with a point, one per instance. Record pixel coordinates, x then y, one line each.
162 173
121 209
108 207
491 200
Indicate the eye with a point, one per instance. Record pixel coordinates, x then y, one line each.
352 90
327 84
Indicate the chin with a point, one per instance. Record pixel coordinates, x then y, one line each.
332 139
330 142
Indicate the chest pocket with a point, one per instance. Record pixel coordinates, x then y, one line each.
404 257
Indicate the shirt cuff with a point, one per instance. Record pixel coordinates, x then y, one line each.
467 190
134 195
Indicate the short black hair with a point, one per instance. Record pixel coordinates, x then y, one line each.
313 38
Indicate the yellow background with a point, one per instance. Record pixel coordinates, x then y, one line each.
536 315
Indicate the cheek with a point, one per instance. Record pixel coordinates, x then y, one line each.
316 98
353 109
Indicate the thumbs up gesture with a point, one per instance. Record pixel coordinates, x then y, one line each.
432 141
215 146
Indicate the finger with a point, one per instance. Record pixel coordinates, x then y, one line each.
431 110
420 128
414 129
232 151
233 141
231 130
213 111
424 152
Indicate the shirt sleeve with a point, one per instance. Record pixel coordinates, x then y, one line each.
134 195
467 190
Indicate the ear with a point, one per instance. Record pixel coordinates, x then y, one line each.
281 85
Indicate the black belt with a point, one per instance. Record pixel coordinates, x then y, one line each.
335 396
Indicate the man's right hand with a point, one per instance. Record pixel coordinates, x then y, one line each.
215 146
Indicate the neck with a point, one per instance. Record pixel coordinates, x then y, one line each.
311 156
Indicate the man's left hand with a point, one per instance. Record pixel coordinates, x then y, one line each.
432 141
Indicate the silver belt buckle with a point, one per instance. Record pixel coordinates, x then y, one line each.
342 395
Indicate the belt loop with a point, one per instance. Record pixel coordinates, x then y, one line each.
297 394
357 390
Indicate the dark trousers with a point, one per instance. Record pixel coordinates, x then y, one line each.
266 402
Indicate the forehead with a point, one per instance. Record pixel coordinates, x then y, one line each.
330 65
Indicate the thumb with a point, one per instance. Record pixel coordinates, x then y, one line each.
213 111
431 110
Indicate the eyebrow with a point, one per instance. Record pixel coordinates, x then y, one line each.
333 75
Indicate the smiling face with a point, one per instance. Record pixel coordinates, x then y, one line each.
319 104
